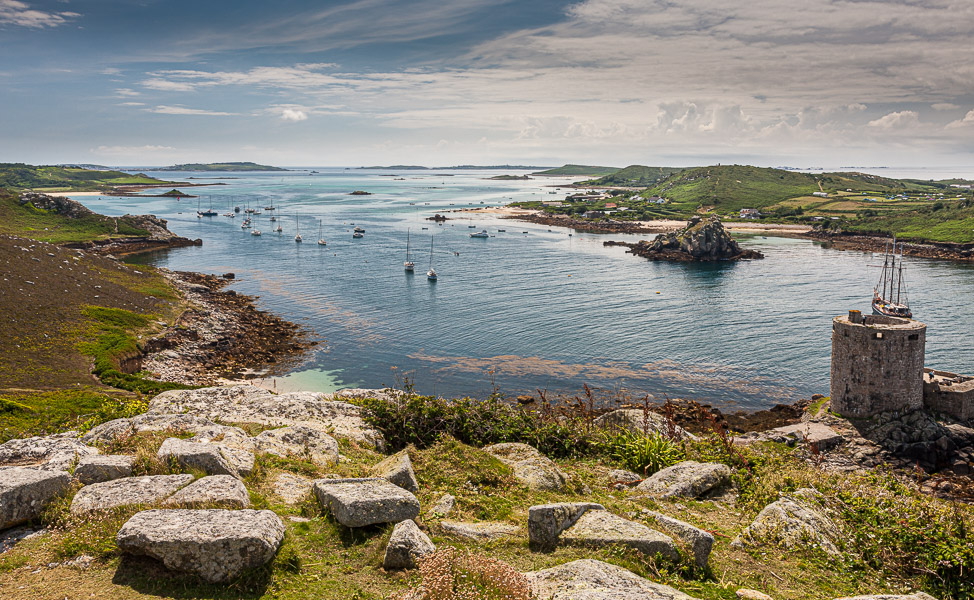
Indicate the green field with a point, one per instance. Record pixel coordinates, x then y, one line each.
20 176
28 221
635 176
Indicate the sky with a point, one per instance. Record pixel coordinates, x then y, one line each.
815 83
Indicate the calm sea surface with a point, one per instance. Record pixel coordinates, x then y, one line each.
537 307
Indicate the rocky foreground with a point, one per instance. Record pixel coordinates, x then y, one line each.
194 513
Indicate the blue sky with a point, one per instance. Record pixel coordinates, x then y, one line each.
673 82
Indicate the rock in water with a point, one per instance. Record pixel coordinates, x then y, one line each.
700 240
215 544
406 545
24 492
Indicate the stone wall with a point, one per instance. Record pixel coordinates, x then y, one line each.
949 393
877 364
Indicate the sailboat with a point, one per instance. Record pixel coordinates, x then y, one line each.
321 240
889 295
431 274
297 229
408 264
208 212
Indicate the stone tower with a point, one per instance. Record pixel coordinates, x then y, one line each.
877 364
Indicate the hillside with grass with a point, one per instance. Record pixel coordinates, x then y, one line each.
579 170
230 167
20 176
72 223
634 176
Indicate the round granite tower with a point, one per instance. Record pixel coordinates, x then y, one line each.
877 364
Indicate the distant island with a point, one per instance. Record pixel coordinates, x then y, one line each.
510 178
456 168
222 167
49 178
580 170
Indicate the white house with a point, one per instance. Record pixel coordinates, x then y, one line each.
750 213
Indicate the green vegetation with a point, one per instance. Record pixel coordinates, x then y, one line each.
20 176
223 167
580 170
644 454
24 414
634 176
941 221
36 223
110 340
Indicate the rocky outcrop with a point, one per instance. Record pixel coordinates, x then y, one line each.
547 521
248 404
697 540
398 469
480 531
217 545
299 440
597 528
57 452
687 479
443 507
25 492
793 521
215 489
621 479
169 422
361 502
293 489
148 489
195 455
407 544
700 240
589 579
531 468
96 468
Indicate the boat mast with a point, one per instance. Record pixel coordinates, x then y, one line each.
899 278
431 253
882 277
407 244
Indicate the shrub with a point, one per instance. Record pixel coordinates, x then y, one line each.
644 454
422 420
452 574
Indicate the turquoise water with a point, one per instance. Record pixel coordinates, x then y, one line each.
539 308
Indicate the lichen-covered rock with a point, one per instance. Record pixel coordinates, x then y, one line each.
299 440
699 541
791 522
913 596
601 528
24 492
120 428
589 579
746 594
407 544
622 479
361 502
249 404
96 468
215 544
481 531
291 488
57 452
687 479
640 422
443 507
547 521
148 489
531 468
399 470
195 455
215 489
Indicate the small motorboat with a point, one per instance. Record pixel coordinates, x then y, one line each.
255 232
358 234
480 234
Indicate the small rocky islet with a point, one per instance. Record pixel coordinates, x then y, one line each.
701 240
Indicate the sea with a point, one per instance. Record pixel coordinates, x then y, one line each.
530 308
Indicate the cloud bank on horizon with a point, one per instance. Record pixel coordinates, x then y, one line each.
771 82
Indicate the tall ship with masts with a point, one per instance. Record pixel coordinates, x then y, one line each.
889 295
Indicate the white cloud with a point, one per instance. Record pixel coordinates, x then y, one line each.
162 109
126 92
13 12
167 85
967 121
290 114
944 106
896 120
128 150
130 104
